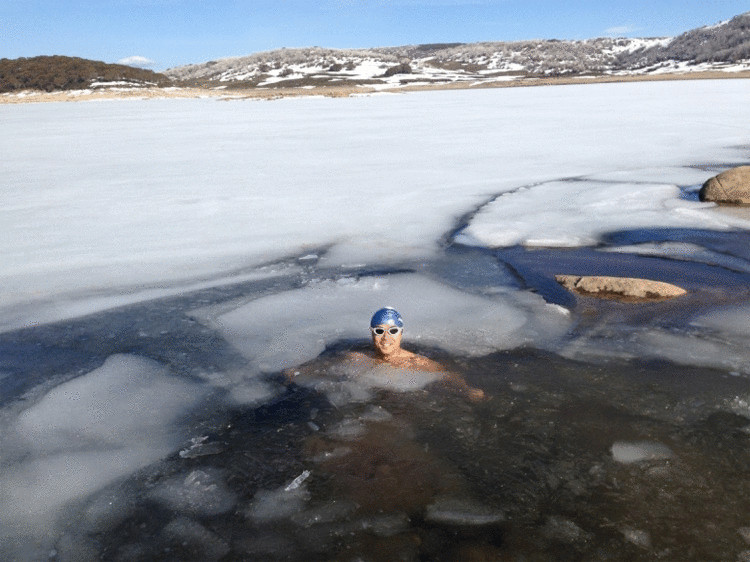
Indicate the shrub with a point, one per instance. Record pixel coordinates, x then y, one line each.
52 73
402 68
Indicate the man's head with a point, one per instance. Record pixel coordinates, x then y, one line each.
386 326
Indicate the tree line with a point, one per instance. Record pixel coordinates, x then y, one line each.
53 73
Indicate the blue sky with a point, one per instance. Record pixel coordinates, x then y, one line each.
167 33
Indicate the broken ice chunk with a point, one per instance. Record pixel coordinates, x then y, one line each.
386 525
202 542
560 529
630 452
199 448
272 505
202 492
637 537
456 511
327 513
376 414
297 482
348 429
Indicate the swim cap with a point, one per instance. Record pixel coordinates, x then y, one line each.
388 316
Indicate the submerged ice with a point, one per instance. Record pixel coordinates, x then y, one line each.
85 434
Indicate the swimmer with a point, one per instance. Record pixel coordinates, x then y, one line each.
387 329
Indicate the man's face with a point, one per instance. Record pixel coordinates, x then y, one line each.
386 339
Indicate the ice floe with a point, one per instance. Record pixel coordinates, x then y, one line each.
201 492
283 330
461 511
281 503
579 213
630 452
683 251
85 434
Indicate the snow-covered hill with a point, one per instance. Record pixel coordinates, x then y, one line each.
724 47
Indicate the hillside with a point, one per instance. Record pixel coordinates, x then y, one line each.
727 42
722 47
55 73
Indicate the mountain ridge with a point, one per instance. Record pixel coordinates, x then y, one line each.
721 47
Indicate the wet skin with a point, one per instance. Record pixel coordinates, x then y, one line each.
387 350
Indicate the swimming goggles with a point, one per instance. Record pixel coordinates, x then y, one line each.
394 330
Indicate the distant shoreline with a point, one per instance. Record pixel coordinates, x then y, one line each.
341 91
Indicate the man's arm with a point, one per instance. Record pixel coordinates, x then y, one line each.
321 366
451 381
456 383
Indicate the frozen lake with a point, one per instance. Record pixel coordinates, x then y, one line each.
164 260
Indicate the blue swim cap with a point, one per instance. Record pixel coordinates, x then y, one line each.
388 316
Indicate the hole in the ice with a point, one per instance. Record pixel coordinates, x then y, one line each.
690 193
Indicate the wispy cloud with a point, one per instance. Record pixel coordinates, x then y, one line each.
137 61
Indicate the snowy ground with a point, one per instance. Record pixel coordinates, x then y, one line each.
268 231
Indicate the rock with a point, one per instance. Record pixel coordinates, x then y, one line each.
732 186
620 288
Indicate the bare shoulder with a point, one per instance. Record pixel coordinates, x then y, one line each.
422 363
358 358
449 380
355 356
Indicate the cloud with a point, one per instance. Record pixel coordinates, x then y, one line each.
619 30
137 61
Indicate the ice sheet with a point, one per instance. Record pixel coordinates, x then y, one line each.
579 213
721 347
734 321
86 433
685 252
101 200
289 328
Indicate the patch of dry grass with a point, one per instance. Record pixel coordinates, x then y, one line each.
329 89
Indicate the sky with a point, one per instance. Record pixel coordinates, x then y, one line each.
161 34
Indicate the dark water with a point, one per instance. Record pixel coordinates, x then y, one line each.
529 474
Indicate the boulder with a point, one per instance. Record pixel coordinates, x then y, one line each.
732 186
620 288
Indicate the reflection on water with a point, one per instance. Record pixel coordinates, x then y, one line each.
566 461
